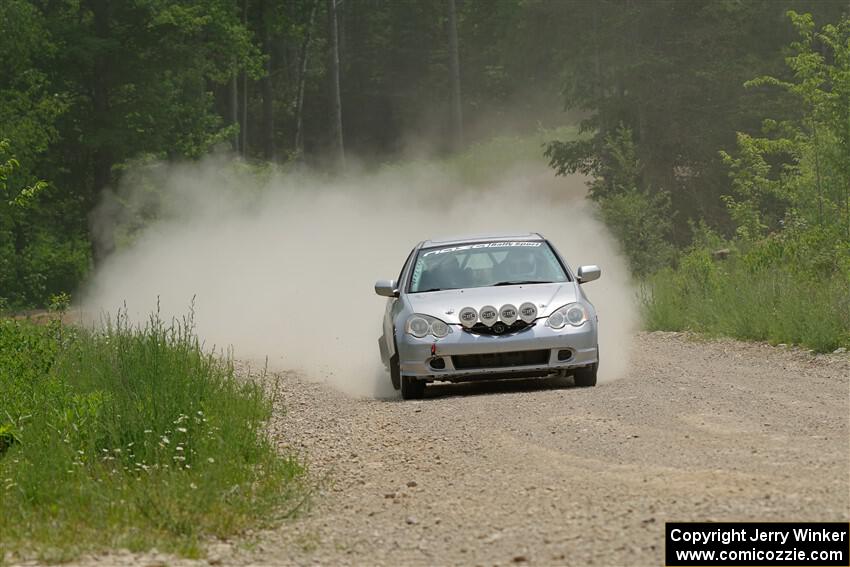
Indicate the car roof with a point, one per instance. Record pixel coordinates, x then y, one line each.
455 240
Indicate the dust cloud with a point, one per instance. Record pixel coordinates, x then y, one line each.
283 265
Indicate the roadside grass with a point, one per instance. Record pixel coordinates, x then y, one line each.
130 437
770 304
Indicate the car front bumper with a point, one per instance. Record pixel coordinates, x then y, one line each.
422 358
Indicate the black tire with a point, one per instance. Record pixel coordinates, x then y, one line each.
411 388
395 372
585 377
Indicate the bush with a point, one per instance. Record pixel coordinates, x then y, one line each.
748 298
130 437
641 222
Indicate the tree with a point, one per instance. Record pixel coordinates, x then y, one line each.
302 79
139 79
336 100
800 167
454 69
266 86
674 73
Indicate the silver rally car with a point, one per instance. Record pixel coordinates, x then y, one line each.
487 307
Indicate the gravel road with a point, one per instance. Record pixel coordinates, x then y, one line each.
547 474
542 473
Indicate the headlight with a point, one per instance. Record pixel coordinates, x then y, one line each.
417 326
422 325
439 329
575 314
557 320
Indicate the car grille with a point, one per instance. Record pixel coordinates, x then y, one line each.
498 328
500 359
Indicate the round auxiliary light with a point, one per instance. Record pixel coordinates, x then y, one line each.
508 314
468 317
575 315
418 327
488 315
439 329
528 312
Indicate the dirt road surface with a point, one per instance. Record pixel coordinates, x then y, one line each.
547 474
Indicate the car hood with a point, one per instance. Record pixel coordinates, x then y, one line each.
447 304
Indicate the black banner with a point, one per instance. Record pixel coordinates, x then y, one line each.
762 544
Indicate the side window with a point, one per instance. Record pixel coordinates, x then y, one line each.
557 263
403 268
553 267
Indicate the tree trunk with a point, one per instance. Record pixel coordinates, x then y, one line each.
234 109
101 225
302 74
336 101
268 111
597 68
454 68
244 122
266 89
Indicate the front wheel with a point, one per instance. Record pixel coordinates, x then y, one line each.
411 388
586 377
395 372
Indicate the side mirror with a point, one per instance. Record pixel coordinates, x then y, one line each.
386 288
588 273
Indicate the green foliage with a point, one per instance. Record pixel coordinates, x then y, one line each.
762 195
59 303
8 437
89 86
614 169
36 260
8 165
752 298
813 152
641 219
130 437
641 222
788 279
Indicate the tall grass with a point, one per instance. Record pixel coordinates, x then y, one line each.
731 298
130 437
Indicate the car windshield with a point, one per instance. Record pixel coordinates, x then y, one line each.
485 264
